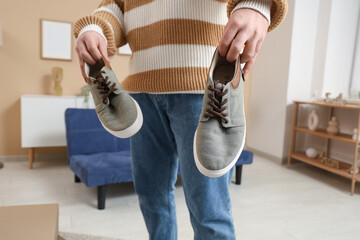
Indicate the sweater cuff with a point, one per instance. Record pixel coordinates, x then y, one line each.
94 28
105 29
262 6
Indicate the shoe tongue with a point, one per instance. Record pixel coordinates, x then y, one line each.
96 68
97 71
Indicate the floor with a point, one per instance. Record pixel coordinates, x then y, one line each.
273 202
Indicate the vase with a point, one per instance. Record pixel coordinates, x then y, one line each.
313 121
311 152
333 128
355 134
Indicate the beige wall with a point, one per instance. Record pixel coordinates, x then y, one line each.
22 70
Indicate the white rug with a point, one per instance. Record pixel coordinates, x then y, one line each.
80 236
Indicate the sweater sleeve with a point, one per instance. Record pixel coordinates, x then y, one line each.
108 21
277 13
262 6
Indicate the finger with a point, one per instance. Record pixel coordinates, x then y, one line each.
79 50
249 65
82 69
84 54
251 61
249 51
81 63
258 45
228 35
236 46
93 49
88 58
103 50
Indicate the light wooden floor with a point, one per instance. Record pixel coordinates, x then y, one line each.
273 202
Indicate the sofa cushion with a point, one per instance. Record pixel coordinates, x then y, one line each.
86 135
102 168
246 157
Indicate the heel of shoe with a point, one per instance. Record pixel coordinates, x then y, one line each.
132 129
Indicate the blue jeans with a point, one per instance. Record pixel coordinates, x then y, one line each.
164 142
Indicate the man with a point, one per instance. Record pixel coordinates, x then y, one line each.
172 43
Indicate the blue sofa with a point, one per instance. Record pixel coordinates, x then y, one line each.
97 158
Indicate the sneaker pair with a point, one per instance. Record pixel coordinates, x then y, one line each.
220 135
117 111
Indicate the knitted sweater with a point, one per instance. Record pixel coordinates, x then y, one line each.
172 42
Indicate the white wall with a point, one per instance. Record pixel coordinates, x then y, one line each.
355 86
266 119
298 58
301 67
303 42
340 46
319 54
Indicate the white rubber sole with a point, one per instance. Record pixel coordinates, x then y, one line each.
220 172
132 129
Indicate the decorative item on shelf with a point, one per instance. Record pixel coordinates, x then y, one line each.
355 134
351 170
333 128
320 156
1 165
338 100
328 161
311 152
315 96
313 121
85 92
353 101
57 75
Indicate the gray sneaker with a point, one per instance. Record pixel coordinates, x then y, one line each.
220 136
118 112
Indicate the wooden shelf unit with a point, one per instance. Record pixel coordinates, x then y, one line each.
322 133
342 171
347 138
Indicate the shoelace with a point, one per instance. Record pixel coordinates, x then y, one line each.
104 85
216 103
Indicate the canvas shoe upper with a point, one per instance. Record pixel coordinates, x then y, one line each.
220 135
118 112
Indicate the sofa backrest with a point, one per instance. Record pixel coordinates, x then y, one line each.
86 135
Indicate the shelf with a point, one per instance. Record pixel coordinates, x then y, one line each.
345 106
322 133
347 138
342 171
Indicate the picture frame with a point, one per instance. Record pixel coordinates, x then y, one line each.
55 40
124 50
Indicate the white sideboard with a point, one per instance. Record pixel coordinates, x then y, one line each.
43 122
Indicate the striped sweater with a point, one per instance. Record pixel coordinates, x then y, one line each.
172 41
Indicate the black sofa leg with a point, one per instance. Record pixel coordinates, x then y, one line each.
77 179
238 171
101 194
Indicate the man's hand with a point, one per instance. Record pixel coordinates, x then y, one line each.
90 47
245 27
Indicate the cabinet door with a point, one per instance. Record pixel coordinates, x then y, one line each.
42 120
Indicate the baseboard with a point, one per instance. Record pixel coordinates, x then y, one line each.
38 158
266 155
